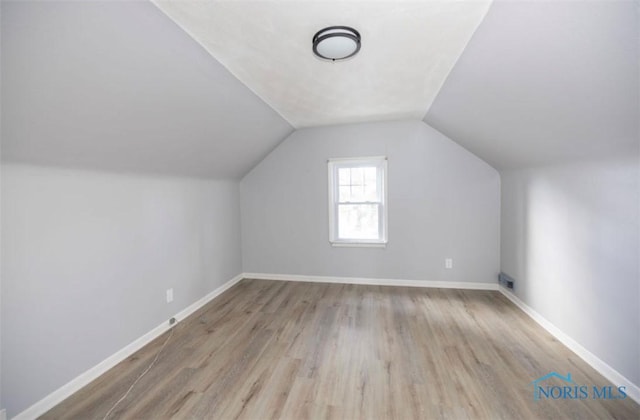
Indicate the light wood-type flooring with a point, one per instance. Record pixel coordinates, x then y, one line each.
289 350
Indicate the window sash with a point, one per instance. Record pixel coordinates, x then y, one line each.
380 164
360 186
380 225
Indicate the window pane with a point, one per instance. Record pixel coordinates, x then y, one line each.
345 193
344 176
370 192
358 221
358 184
370 175
357 176
357 193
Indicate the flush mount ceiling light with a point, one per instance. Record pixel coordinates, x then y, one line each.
336 43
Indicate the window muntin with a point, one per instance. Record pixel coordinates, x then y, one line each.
357 207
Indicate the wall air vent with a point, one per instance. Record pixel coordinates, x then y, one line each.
505 280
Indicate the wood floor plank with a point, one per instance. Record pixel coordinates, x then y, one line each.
291 350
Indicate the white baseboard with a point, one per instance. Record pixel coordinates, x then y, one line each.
633 391
206 299
65 391
374 282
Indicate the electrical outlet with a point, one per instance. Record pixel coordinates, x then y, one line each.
448 263
169 295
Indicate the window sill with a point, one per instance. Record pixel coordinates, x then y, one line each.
359 244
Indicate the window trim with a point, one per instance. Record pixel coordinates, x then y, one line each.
333 165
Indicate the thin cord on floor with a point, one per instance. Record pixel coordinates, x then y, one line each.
139 377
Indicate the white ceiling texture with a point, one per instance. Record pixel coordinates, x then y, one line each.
408 50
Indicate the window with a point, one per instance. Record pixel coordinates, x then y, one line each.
357 202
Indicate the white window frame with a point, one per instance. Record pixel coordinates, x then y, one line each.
380 162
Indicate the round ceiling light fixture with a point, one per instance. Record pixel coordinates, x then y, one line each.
336 43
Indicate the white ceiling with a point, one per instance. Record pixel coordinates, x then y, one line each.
408 49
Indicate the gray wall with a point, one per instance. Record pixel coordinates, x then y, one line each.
87 258
570 238
443 202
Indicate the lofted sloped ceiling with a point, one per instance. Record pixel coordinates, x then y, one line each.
117 86
545 82
408 49
120 86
